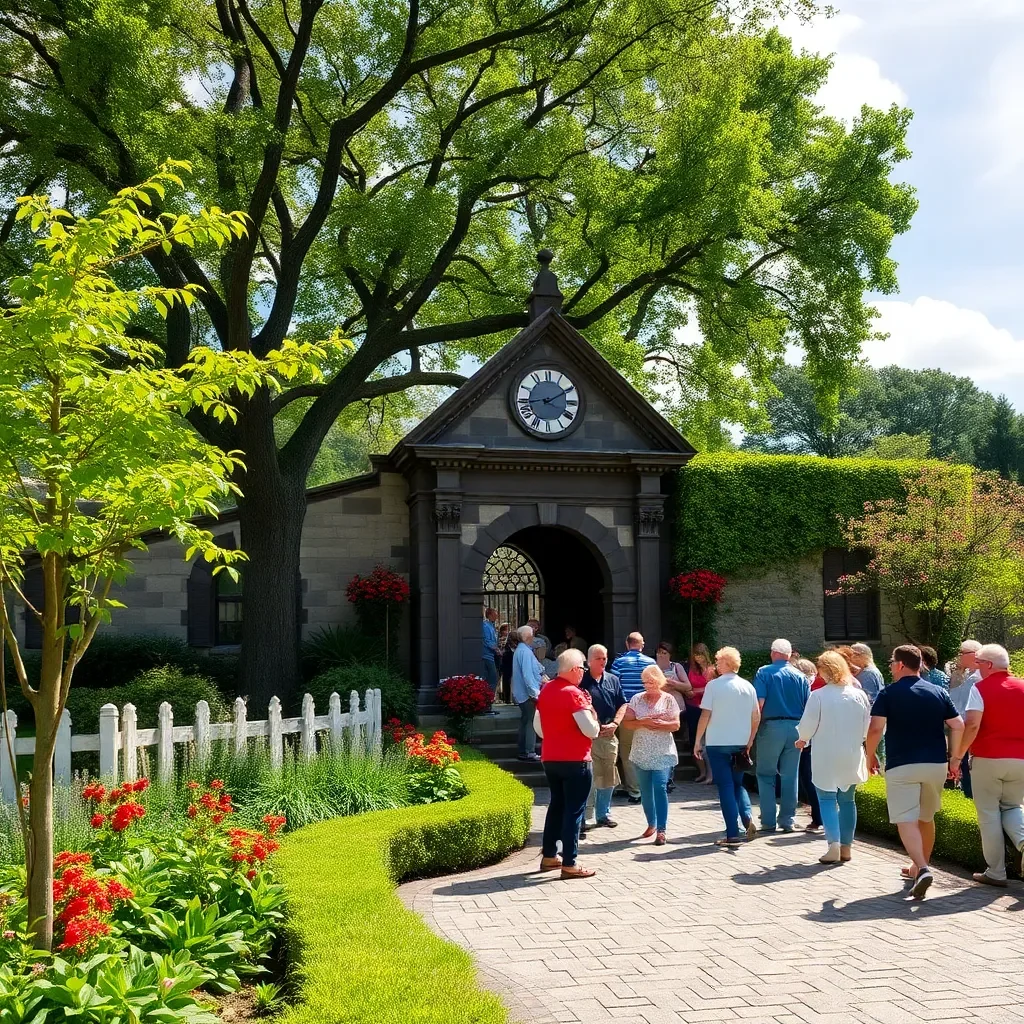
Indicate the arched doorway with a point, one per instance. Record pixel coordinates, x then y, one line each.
550 574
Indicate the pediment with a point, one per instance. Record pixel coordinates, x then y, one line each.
613 416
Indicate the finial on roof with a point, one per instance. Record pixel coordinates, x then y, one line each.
545 294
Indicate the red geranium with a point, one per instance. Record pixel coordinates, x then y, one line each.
464 696
115 809
382 585
701 585
82 902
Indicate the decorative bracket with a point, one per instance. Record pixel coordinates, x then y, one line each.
448 517
649 519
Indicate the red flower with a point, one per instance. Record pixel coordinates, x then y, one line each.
382 585
701 585
464 696
98 820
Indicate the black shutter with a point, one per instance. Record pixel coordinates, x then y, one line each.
850 616
202 605
832 567
32 587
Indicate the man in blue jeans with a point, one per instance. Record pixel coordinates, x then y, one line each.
782 693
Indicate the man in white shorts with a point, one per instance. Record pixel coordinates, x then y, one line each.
914 715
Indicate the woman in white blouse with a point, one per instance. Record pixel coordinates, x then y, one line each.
837 716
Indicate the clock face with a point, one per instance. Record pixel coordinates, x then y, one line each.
547 402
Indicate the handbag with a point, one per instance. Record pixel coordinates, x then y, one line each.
741 761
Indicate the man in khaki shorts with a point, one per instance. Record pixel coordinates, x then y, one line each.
610 705
914 715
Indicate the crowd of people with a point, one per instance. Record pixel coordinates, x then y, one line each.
824 726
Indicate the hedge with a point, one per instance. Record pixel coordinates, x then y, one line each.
736 513
358 955
957 838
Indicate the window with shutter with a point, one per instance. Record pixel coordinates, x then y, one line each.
848 616
203 598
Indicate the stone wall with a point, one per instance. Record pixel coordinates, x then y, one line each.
787 602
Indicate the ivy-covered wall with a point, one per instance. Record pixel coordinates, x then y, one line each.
740 514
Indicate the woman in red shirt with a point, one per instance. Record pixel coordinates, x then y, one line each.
567 725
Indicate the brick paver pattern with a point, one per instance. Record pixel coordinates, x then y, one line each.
762 934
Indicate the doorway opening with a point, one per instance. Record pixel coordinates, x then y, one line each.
570 585
513 586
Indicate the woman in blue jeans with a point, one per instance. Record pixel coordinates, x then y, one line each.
653 715
729 718
837 718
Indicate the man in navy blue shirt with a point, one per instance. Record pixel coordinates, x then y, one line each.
782 693
629 667
610 706
914 715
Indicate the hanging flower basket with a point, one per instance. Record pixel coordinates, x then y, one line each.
374 595
701 585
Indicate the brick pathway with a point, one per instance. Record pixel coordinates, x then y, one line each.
762 934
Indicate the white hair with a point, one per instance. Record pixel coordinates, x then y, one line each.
597 649
525 633
781 646
970 647
863 650
995 654
570 658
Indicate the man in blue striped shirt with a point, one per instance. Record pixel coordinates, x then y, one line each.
629 667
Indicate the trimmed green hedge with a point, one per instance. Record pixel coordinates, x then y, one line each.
957 838
736 513
359 955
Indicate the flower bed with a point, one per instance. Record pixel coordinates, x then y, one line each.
362 955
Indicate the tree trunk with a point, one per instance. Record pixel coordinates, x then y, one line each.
39 858
272 511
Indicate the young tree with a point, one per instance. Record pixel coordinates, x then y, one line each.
401 163
96 450
1001 448
953 548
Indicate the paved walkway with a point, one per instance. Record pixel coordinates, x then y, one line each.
762 934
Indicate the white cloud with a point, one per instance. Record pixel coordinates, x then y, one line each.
932 333
1003 121
855 78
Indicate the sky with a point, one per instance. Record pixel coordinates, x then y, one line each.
959 65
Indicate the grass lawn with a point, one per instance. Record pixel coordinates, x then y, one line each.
359 954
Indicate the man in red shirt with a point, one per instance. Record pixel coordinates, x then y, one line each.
994 734
567 725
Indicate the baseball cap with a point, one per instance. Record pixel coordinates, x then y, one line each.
782 647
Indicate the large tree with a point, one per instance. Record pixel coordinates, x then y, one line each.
400 163
1001 448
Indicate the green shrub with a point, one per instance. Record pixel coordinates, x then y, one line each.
332 646
147 691
956 825
1017 663
361 955
398 698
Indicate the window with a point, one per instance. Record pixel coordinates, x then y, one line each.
512 585
229 610
849 616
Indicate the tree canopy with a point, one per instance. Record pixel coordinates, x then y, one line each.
400 164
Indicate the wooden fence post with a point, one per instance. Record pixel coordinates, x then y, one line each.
202 732
108 743
307 729
8 734
334 716
165 743
276 736
357 746
130 742
62 752
241 727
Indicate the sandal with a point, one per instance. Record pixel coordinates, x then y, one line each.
728 842
660 841
550 863
577 872
908 874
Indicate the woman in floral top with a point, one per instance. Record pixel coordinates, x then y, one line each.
654 717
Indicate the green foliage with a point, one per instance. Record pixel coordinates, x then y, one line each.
913 447
957 838
361 955
1003 447
333 646
398 698
736 513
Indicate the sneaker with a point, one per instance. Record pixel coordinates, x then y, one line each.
751 830
985 879
606 823
634 800
921 884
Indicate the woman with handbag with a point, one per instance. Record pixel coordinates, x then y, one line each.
837 716
729 719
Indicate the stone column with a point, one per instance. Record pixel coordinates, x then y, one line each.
650 512
447 519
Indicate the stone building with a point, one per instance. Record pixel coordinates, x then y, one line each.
540 488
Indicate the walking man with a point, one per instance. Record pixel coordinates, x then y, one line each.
628 667
994 734
782 694
610 705
963 675
490 649
527 675
915 715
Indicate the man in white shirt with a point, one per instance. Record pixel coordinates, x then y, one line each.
963 674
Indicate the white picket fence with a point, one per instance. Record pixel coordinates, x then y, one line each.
119 739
